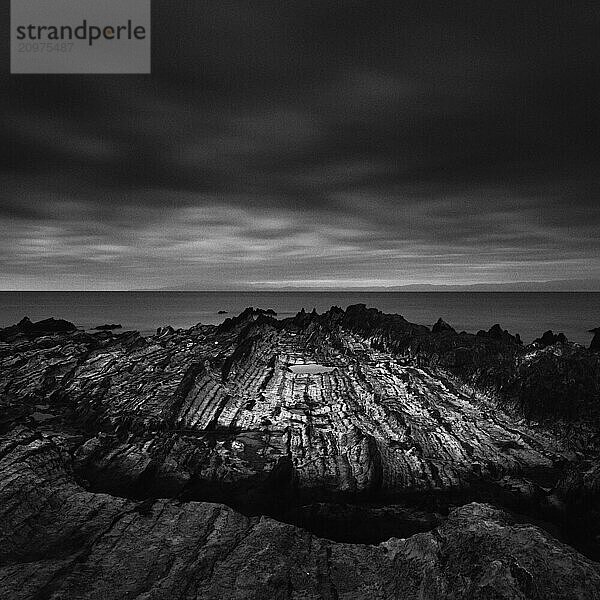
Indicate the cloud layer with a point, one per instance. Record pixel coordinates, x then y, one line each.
333 143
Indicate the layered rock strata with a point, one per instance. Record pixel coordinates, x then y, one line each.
358 426
59 541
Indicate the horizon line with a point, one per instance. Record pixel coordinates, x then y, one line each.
306 290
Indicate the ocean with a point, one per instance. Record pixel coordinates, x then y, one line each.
529 313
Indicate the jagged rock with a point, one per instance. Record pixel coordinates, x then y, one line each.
495 363
549 338
497 333
441 326
405 421
246 317
31 330
60 541
108 327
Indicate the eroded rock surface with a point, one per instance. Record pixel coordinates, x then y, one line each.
396 438
60 541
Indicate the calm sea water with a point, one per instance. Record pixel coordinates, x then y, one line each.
529 314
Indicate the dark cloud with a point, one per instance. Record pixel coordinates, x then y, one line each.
360 142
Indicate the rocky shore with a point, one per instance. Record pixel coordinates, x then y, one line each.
348 455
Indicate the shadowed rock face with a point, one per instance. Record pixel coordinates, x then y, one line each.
595 344
441 326
28 329
60 541
108 327
397 440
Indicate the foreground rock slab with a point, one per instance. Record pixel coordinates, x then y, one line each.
59 541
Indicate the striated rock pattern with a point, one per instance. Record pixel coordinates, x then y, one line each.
209 406
60 541
357 426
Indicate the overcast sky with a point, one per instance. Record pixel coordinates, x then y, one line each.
313 143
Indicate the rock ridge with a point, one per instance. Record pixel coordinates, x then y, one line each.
440 449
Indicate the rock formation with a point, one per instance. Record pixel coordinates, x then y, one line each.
108 327
26 328
441 326
549 338
595 344
197 464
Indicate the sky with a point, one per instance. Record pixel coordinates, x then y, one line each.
318 144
